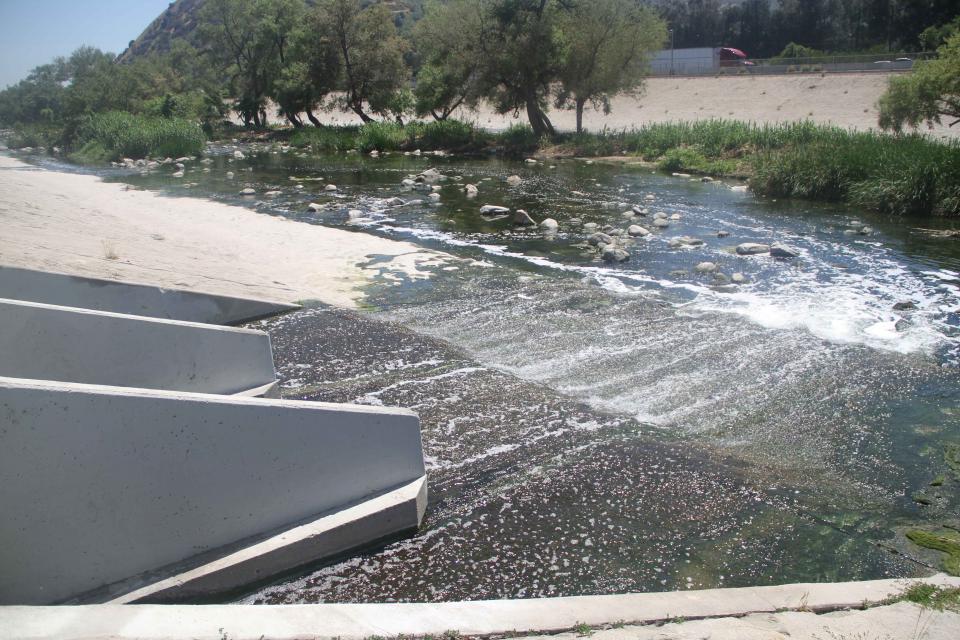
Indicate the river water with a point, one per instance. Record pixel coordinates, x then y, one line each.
598 428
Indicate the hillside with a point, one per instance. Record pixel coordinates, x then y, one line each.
180 20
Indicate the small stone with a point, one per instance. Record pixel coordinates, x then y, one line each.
550 225
738 278
675 216
407 182
435 197
238 155
636 230
514 181
638 211
661 223
590 227
248 192
723 234
178 174
706 267
314 207
395 202
330 187
229 175
719 278
659 215
353 214
865 231
493 210
752 248
530 161
471 190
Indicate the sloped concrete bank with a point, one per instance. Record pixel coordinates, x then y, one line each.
491 618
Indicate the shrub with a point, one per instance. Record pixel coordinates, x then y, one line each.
120 134
448 134
382 136
326 139
517 139
33 135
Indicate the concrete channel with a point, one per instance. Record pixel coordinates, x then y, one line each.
136 465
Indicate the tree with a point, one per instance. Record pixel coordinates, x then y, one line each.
929 94
449 75
251 39
607 47
370 54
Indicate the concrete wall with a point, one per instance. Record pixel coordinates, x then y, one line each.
98 484
76 345
136 299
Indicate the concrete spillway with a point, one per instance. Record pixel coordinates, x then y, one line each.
133 468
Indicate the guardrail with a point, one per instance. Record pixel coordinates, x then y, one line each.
784 66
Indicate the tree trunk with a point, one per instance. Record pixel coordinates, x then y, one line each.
256 120
580 103
294 120
538 119
313 119
358 109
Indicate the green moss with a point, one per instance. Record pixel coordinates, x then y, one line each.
948 543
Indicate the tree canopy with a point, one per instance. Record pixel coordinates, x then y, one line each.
929 94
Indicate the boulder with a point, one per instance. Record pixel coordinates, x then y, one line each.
395 202
407 182
272 194
314 207
780 250
238 155
752 249
865 231
471 190
706 267
590 227
434 197
685 241
904 306
659 215
522 218
636 231
178 174
514 181
613 253
248 192
661 223
719 278
493 210
600 238
638 211
550 225
723 234
330 187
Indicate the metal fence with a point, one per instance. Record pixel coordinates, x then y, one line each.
785 66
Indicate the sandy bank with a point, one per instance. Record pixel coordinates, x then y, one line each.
81 225
846 100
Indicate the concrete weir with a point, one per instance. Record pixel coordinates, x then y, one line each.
67 344
131 298
105 490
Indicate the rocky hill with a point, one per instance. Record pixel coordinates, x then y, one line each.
180 20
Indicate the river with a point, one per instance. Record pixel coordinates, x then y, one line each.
598 428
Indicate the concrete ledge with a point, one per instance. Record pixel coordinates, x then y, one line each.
389 514
131 298
104 484
47 342
360 621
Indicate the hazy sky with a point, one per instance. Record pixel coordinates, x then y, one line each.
33 32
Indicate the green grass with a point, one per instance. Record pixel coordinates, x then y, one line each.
932 597
389 136
115 135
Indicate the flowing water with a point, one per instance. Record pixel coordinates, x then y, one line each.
597 428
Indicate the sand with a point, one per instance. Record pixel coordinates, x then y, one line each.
80 225
847 100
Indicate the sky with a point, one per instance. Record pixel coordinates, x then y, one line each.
33 32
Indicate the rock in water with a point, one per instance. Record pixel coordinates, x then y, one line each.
661 223
493 210
522 218
706 267
779 250
514 181
471 190
435 197
723 234
636 230
613 253
738 278
330 187
239 155
904 306
395 202
550 225
314 207
638 210
686 241
752 249
600 238
248 192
